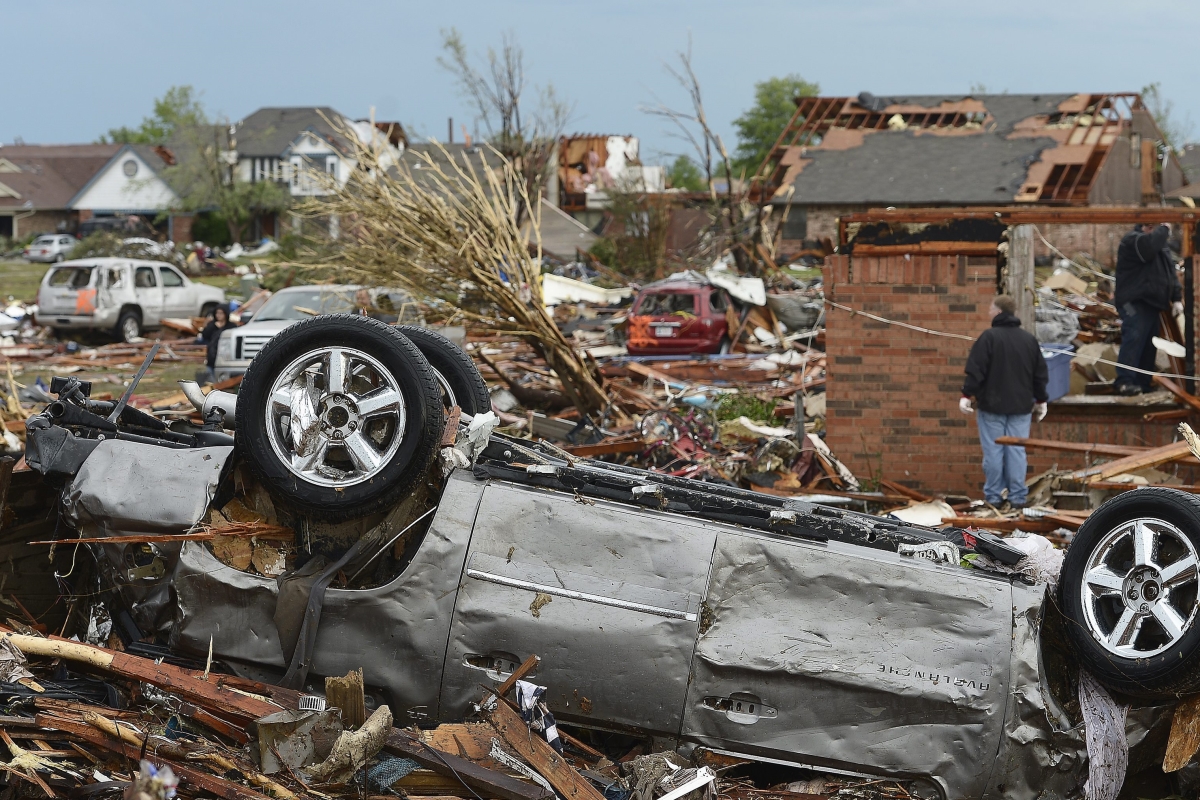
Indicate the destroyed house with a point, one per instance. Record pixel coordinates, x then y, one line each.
843 154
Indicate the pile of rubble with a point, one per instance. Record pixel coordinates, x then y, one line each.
92 721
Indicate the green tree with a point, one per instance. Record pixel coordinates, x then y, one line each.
179 107
759 128
685 174
205 180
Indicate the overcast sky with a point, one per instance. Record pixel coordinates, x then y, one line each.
77 67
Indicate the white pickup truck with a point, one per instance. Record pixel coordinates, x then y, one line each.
126 296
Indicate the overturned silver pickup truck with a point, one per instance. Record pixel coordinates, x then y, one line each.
711 617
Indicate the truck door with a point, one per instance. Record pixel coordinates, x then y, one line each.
177 297
843 656
67 291
148 293
607 594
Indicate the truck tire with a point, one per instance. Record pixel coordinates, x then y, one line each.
339 416
1128 589
458 378
129 326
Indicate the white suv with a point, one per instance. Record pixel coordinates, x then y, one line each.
50 247
124 295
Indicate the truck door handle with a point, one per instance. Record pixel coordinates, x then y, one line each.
741 707
497 666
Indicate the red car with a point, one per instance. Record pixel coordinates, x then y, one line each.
675 317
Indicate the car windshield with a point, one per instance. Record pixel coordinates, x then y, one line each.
305 303
45 240
667 303
71 277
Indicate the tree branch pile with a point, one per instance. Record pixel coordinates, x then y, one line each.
439 224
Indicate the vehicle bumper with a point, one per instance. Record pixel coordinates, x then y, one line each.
76 322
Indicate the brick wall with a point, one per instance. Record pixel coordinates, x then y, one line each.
892 393
44 222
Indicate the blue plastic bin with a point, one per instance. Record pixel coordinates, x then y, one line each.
1058 364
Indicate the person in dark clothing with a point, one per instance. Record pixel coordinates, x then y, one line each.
1146 286
210 336
1007 376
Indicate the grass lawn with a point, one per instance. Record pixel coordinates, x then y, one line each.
20 280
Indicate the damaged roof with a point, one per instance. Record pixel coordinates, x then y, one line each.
955 149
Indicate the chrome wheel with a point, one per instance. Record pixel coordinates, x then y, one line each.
335 417
1139 591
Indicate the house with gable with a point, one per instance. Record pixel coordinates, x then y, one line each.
57 188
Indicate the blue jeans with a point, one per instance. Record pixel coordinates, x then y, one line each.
1003 465
1139 324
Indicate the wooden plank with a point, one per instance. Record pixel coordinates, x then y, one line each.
1074 447
481 779
653 374
628 444
260 531
1177 390
226 789
927 248
901 489
1148 458
520 673
568 783
1114 486
1002 524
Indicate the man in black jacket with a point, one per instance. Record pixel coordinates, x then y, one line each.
1006 375
1146 286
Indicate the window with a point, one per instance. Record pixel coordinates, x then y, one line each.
331 164
716 300
65 240
795 227
144 279
170 277
116 278
71 277
666 304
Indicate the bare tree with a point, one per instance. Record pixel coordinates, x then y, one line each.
738 222
528 140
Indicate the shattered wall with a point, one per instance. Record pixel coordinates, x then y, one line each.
893 392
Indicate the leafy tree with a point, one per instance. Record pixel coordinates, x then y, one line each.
206 181
685 174
179 107
759 128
